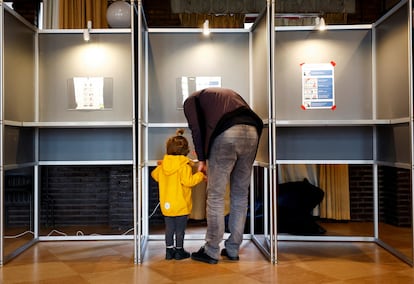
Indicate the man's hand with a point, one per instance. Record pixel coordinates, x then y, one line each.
202 167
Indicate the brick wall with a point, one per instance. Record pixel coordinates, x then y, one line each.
86 195
18 200
120 215
394 196
90 195
361 193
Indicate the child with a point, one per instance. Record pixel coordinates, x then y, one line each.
175 178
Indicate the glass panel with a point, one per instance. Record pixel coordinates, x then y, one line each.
262 210
395 217
259 201
86 200
326 200
18 209
107 56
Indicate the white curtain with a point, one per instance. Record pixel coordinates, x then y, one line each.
51 14
289 173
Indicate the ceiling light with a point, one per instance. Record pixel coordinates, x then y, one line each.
206 28
86 32
320 23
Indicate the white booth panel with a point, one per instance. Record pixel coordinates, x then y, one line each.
174 55
63 57
19 70
350 53
392 56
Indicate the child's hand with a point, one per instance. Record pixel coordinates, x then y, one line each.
159 162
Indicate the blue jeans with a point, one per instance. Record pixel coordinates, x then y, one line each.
231 160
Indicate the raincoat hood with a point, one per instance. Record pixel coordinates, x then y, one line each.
172 163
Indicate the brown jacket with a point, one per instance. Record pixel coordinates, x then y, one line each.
211 111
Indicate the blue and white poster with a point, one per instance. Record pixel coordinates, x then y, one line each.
318 90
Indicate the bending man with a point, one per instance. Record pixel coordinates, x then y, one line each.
225 133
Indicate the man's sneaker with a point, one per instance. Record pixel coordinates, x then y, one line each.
224 253
169 253
180 253
202 256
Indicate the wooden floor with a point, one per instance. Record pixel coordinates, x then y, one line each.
112 262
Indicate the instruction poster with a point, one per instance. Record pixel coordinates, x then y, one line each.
89 92
187 85
318 86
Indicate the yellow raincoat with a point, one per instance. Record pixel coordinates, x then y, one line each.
175 178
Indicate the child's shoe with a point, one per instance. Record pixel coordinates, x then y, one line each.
169 253
180 253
